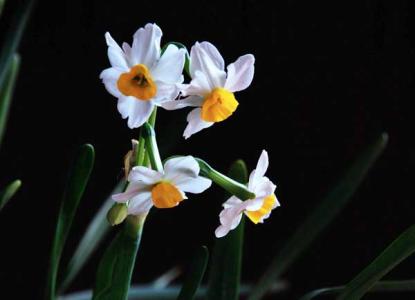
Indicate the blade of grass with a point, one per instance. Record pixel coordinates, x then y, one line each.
194 275
323 215
225 270
6 93
8 192
389 286
96 231
395 253
75 187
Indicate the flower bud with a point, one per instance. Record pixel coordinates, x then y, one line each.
117 214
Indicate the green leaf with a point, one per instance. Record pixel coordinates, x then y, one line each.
96 231
225 270
116 267
12 37
6 92
321 217
194 275
395 253
389 286
2 5
8 192
75 187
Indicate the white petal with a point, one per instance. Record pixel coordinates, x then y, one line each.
231 202
146 45
140 204
115 54
127 50
170 66
110 78
178 167
206 58
198 86
132 190
195 185
145 175
192 101
264 187
221 231
254 204
137 111
240 73
195 123
261 168
229 219
165 92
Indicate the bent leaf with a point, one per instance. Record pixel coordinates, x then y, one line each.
75 187
323 215
395 253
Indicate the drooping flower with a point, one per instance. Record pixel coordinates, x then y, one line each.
140 77
258 209
163 189
212 89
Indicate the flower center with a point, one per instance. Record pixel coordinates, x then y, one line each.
218 105
257 215
165 195
137 83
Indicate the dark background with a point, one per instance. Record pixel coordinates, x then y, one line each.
329 78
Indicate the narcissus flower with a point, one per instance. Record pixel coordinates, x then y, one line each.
212 90
163 189
258 209
140 77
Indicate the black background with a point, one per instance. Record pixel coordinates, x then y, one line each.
329 78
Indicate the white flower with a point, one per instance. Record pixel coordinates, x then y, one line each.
163 189
258 209
211 89
140 77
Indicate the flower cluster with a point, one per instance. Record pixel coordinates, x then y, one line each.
144 76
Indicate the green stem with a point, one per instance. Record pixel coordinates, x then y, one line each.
233 187
152 148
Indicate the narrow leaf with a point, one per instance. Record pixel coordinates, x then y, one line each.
8 192
194 275
12 37
395 253
321 217
389 286
96 231
75 187
116 267
6 92
225 270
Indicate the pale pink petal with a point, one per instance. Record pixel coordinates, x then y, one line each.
240 73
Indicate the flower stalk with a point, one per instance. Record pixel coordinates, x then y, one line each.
233 187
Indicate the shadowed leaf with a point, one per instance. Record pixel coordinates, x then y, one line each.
321 217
